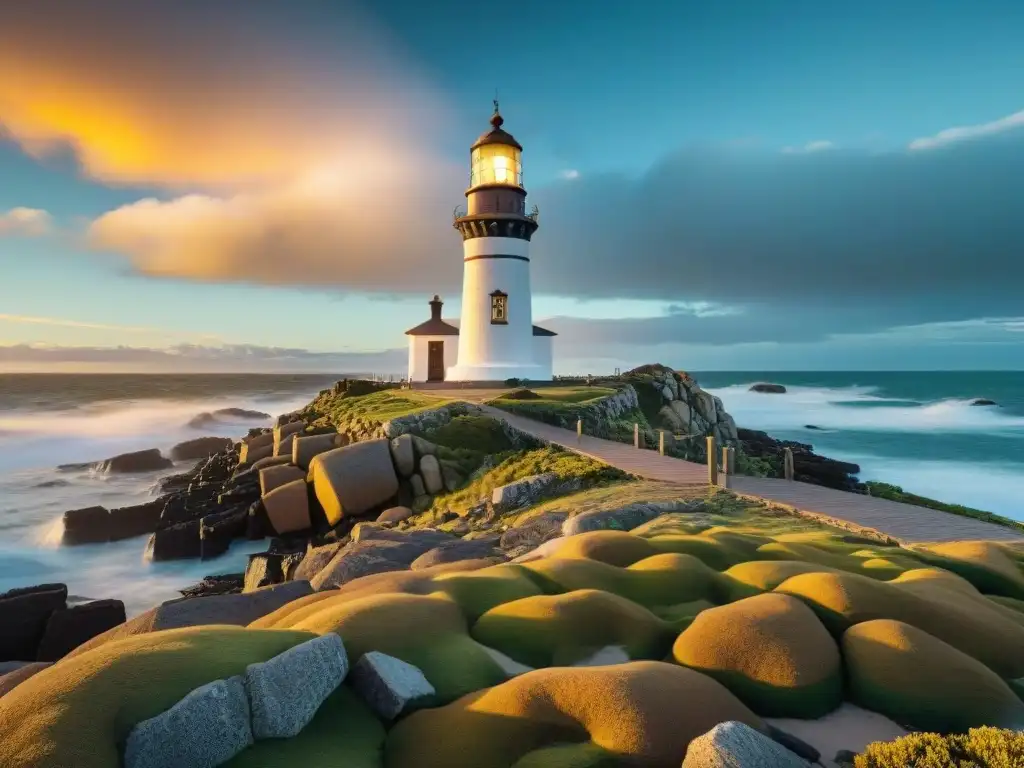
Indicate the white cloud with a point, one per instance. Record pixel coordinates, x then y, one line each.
569 174
26 222
811 146
967 132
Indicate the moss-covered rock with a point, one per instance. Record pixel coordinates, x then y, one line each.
643 713
547 630
429 632
342 733
79 711
771 651
920 681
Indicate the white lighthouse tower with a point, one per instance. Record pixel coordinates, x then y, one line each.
497 338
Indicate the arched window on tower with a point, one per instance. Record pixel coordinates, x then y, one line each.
499 308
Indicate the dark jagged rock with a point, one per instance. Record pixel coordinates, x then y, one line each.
68 628
811 426
266 568
175 483
150 460
89 525
138 520
768 388
24 613
223 584
257 525
200 448
175 542
808 467
225 414
217 531
77 467
983 401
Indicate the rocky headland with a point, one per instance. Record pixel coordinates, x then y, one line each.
440 589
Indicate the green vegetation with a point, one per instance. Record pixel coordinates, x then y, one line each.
756 466
466 442
574 394
342 409
568 466
480 434
895 493
978 748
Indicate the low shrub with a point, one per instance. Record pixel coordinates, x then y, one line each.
978 748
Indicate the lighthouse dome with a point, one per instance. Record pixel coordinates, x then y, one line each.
496 157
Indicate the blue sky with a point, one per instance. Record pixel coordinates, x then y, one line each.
737 185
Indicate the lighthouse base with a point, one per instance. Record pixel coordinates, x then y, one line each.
498 372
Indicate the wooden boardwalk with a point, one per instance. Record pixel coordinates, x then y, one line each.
905 522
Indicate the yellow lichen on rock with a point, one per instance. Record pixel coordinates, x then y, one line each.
920 681
769 650
76 713
971 623
563 629
641 713
427 631
664 579
612 547
766 575
991 567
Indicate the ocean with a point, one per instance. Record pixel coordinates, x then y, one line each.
916 430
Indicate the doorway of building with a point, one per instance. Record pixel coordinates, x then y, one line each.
435 361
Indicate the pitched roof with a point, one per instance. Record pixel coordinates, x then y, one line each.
433 327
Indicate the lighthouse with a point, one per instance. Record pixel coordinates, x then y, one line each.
497 339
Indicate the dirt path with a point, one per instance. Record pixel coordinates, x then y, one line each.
905 522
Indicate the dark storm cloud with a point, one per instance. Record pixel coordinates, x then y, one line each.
908 236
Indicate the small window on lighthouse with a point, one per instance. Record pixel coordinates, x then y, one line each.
499 308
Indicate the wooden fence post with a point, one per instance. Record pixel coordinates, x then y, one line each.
636 435
661 441
712 461
787 463
579 430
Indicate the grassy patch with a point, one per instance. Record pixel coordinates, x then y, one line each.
565 464
895 493
574 394
379 407
480 434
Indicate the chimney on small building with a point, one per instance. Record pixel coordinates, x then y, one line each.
435 307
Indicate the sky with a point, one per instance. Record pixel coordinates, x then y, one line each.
259 186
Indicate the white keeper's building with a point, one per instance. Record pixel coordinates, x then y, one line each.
496 338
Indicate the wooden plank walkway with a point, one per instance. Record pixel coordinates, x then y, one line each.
905 522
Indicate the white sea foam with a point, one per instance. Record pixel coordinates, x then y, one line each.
993 487
850 408
32 444
992 482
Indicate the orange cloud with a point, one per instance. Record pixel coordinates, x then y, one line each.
215 95
373 225
300 147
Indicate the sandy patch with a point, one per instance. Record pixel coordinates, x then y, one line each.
848 727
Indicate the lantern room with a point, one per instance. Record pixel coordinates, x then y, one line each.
496 157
